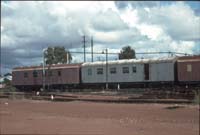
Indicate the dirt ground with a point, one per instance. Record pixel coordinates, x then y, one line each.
86 118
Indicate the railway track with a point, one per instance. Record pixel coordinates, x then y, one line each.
97 98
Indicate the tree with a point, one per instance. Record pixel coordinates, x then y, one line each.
8 74
55 55
49 56
7 82
127 53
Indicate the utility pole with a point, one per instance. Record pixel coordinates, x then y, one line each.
84 47
67 58
106 68
92 48
43 67
106 51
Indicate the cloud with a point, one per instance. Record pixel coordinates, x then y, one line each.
136 4
172 26
125 36
108 21
177 19
28 27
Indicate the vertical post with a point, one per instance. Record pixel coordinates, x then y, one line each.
106 68
92 48
84 47
67 57
43 70
118 86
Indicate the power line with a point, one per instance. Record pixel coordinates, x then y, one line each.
92 48
136 53
84 48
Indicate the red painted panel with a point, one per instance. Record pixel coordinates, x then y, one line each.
183 66
70 74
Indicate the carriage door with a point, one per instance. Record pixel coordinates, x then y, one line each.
35 74
146 71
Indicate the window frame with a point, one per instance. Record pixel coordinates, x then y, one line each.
125 71
50 73
89 72
99 71
113 70
25 74
35 74
189 67
45 73
134 69
59 72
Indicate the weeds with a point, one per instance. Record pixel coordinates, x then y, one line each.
197 97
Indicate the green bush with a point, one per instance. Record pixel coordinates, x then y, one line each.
7 82
8 89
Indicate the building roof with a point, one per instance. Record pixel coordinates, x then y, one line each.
54 66
128 61
189 59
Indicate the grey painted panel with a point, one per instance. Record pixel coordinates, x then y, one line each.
163 71
118 77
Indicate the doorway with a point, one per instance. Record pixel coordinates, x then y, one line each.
146 71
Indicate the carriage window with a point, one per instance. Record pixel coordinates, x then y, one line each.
189 68
113 70
89 71
50 73
99 71
125 70
35 73
59 73
134 69
45 73
25 75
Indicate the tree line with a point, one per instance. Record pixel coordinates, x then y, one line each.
58 55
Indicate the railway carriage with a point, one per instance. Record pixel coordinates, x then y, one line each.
56 76
188 70
129 71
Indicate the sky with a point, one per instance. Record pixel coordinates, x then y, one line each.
27 27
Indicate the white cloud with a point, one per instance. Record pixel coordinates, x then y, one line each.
102 23
6 41
130 16
177 19
152 31
28 27
182 46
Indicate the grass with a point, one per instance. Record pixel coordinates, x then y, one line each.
197 97
10 92
8 89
